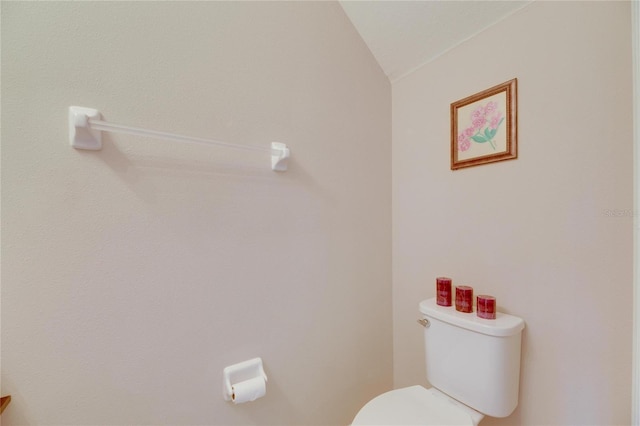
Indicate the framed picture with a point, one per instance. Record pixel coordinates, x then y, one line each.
484 126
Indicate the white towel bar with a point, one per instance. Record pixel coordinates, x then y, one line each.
86 127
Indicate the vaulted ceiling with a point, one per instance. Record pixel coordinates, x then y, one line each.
403 35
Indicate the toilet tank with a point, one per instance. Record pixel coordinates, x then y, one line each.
473 360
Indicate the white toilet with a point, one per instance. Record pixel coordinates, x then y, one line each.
473 365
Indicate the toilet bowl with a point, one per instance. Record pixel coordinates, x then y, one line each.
416 405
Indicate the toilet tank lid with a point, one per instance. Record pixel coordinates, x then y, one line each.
504 324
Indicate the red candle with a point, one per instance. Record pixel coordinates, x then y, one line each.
464 298
486 306
443 291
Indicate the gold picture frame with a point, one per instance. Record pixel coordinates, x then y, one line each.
484 126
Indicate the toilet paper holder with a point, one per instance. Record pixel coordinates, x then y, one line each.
241 372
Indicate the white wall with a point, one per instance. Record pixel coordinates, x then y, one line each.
550 233
132 276
635 31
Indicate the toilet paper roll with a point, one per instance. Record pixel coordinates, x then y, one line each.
249 390
464 298
443 291
486 306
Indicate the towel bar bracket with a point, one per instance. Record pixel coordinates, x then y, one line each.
81 135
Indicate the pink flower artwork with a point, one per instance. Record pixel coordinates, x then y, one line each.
484 126
463 142
485 121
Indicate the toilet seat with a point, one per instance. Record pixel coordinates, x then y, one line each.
413 405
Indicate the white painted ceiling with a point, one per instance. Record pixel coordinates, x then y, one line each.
404 35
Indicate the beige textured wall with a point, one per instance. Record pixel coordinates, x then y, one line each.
549 234
132 276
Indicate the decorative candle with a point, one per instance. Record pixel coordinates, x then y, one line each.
443 291
464 298
486 306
